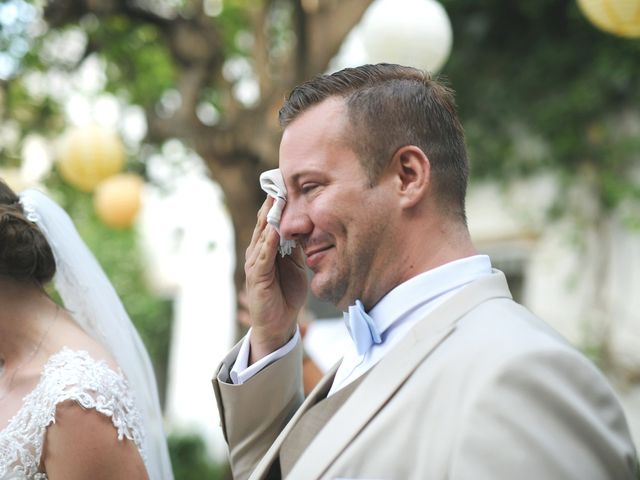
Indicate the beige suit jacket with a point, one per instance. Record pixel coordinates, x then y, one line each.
479 389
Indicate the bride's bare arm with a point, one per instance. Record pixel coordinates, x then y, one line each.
84 444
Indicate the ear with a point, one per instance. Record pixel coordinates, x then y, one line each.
412 172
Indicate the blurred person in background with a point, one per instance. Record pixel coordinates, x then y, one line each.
78 397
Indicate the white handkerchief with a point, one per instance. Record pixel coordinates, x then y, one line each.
272 182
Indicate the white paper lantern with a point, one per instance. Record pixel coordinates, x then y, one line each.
415 33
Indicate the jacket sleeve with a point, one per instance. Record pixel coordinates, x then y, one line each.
253 414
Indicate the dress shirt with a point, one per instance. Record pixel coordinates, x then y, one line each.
242 371
394 315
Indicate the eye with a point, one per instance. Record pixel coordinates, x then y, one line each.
308 187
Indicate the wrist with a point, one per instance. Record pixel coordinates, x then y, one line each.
263 342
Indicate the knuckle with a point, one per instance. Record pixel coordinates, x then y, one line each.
248 266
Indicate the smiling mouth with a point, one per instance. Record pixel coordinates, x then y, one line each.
312 251
315 255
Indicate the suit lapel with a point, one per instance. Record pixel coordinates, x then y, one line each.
318 393
386 378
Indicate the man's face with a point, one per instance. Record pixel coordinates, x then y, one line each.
342 224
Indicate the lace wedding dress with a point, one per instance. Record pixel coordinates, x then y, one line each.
67 375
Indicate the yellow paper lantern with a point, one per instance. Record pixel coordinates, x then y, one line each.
117 200
87 155
620 17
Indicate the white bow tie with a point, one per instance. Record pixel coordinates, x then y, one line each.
362 328
272 182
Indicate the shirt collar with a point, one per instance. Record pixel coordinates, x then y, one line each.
425 287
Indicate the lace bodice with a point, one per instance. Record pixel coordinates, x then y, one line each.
67 375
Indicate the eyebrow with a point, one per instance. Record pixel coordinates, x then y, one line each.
295 178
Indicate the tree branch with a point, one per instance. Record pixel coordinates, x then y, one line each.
327 29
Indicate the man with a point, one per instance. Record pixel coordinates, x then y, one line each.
448 377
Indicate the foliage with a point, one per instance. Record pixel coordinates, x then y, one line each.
539 87
190 461
139 67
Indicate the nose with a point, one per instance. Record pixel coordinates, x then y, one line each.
295 222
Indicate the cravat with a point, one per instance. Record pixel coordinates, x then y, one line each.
362 329
272 182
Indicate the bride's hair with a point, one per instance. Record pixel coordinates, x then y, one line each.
25 254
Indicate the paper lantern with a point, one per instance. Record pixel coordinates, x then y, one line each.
117 200
87 155
620 17
415 33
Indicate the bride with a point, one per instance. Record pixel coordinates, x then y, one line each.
78 397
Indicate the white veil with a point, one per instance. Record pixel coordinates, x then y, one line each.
88 294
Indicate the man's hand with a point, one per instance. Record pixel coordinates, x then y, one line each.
276 288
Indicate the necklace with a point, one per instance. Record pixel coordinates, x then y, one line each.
27 359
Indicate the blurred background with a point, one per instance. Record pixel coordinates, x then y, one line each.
150 122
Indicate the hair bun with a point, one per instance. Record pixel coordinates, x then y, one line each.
25 254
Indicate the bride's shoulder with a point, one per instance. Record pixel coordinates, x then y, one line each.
88 437
74 377
80 368
69 337
77 367
92 407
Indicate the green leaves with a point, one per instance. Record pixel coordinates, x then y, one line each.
541 70
139 66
